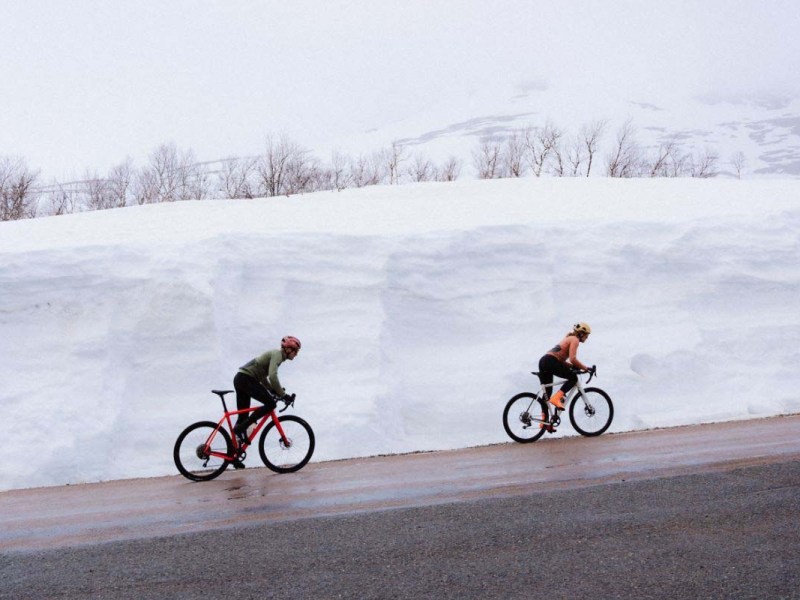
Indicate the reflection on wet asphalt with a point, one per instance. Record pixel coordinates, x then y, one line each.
142 508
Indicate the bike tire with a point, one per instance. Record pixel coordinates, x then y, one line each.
593 421
517 417
187 453
276 455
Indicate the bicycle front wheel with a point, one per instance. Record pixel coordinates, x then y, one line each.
191 453
291 454
591 414
523 417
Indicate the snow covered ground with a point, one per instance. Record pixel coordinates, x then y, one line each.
421 308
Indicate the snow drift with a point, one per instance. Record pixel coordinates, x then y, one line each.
421 308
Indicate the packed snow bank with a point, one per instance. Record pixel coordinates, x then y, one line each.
421 309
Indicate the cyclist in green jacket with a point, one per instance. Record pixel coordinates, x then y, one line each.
258 379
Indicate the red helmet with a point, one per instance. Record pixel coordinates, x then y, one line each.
290 343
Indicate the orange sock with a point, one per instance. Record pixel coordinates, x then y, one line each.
557 399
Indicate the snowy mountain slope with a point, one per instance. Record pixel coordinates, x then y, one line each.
765 129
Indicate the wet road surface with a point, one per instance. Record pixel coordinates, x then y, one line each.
86 515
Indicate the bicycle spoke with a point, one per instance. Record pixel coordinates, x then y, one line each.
592 412
199 450
289 454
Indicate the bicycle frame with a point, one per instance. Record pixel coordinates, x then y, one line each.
259 426
568 397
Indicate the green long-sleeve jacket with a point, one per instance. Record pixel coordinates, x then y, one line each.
264 369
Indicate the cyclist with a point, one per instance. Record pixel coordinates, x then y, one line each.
258 379
561 360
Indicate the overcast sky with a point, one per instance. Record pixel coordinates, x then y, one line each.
85 84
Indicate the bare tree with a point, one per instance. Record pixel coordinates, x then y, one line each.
392 158
487 160
665 160
165 164
513 154
303 174
193 178
97 193
738 162
367 170
172 175
235 177
625 159
704 165
120 183
590 135
450 170
283 168
18 199
540 143
574 156
61 200
559 160
341 177
678 163
146 186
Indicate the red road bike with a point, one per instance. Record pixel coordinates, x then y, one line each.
205 449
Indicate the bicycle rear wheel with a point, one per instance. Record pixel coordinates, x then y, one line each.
523 416
280 456
191 456
592 414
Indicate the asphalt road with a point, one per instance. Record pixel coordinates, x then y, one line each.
709 511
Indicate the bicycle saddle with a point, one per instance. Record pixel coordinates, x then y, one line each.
221 393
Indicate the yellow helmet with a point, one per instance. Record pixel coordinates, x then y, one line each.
582 328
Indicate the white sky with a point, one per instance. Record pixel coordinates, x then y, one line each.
85 84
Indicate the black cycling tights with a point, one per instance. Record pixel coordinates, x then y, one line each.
246 388
549 365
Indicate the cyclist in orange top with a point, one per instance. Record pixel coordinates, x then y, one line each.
560 361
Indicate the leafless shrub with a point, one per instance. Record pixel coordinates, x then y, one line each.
146 187
284 168
738 162
540 143
626 158
120 183
17 197
97 194
303 174
704 164
422 169
450 170
392 158
487 160
61 200
340 175
170 176
235 177
513 156
666 162
366 170
575 156
559 160
590 136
